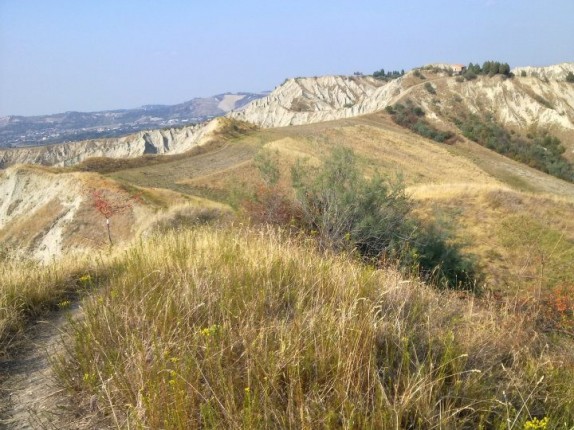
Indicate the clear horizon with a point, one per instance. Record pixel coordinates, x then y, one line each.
63 55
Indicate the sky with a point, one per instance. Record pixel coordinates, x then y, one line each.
90 55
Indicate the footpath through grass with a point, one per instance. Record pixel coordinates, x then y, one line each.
240 328
28 290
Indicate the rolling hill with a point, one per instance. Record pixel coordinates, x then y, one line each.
476 189
240 326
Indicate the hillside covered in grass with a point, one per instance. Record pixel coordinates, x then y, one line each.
389 270
242 328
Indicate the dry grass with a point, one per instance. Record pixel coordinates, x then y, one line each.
524 240
188 215
253 329
28 290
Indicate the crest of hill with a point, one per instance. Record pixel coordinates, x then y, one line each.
554 72
541 100
159 141
310 100
519 102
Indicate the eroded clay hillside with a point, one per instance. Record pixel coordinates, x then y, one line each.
538 100
164 141
539 97
534 99
43 213
309 100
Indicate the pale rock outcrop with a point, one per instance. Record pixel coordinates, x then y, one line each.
24 195
556 72
43 214
164 141
310 100
519 102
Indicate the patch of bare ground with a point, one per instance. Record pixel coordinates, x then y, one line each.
30 397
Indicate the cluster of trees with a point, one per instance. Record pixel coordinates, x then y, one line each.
543 152
489 68
412 117
372 217
382 75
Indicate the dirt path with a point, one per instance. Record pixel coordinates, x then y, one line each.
30 398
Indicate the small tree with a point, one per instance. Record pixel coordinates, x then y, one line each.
570 77
107 208
270 202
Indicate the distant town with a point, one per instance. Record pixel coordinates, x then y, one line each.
19 131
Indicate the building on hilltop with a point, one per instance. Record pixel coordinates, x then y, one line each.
458 69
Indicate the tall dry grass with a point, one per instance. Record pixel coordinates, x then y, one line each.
252 329
29 289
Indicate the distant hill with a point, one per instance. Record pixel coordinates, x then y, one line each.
534 102
18 131
493 201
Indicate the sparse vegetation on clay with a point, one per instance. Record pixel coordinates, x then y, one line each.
543 152
412 117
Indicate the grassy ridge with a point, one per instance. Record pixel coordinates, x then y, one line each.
252 329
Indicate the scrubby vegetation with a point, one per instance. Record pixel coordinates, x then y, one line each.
430 88
372 217
489 68
256 329
389 75
369 217
418 74
543 152
412 117
570 77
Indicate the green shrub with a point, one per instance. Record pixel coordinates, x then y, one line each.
411 117
418 74
469 75
373 217
542 152
430 88
570 77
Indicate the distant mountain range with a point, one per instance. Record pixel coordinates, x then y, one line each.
17 131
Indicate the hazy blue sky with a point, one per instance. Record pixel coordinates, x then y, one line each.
63 55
